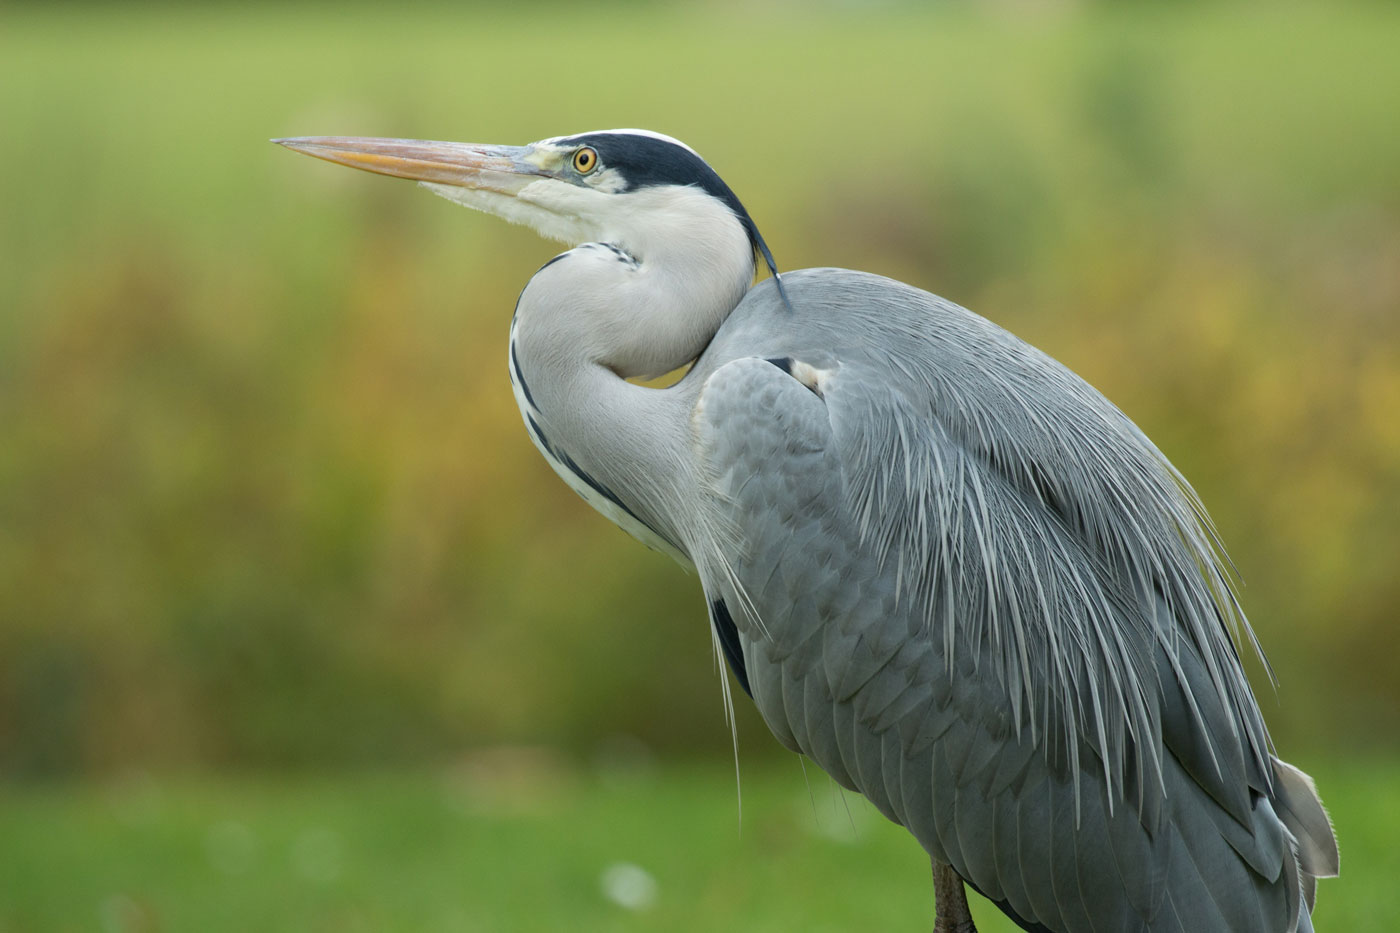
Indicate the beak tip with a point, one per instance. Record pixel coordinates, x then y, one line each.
458 164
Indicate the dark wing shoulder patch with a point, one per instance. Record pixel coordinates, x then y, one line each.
810 376
728 634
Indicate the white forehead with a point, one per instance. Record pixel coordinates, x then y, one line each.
555 140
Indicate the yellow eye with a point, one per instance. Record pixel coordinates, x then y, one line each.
585 160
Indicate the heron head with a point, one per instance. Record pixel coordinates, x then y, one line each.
634 188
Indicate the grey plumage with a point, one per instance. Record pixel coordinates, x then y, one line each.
946 568
1056 634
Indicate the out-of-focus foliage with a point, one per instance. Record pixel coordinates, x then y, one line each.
264 496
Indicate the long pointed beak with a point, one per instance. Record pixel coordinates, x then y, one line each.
502 169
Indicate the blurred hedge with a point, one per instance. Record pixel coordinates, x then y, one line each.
264 497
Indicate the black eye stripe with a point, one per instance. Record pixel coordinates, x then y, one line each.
641 161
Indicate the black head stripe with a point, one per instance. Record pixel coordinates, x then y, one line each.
646 161
643 161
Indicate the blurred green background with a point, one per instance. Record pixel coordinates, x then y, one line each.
297 631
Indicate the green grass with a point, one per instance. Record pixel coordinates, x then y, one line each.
520 842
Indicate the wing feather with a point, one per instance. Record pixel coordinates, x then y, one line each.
979 859
984 600
1033 818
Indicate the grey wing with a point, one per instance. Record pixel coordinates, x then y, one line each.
1083 776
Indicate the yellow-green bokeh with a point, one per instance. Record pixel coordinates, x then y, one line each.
264 496
266 504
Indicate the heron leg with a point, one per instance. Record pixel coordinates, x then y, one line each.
950 902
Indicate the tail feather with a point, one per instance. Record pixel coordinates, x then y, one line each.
1299 807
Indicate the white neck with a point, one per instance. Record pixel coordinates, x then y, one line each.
600 314
692 262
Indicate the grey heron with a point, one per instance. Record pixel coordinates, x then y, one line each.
944 567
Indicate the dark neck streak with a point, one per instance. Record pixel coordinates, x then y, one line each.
623 442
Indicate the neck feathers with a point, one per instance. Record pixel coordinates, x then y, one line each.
649 297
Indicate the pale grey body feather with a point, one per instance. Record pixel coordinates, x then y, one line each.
946 568
991 606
